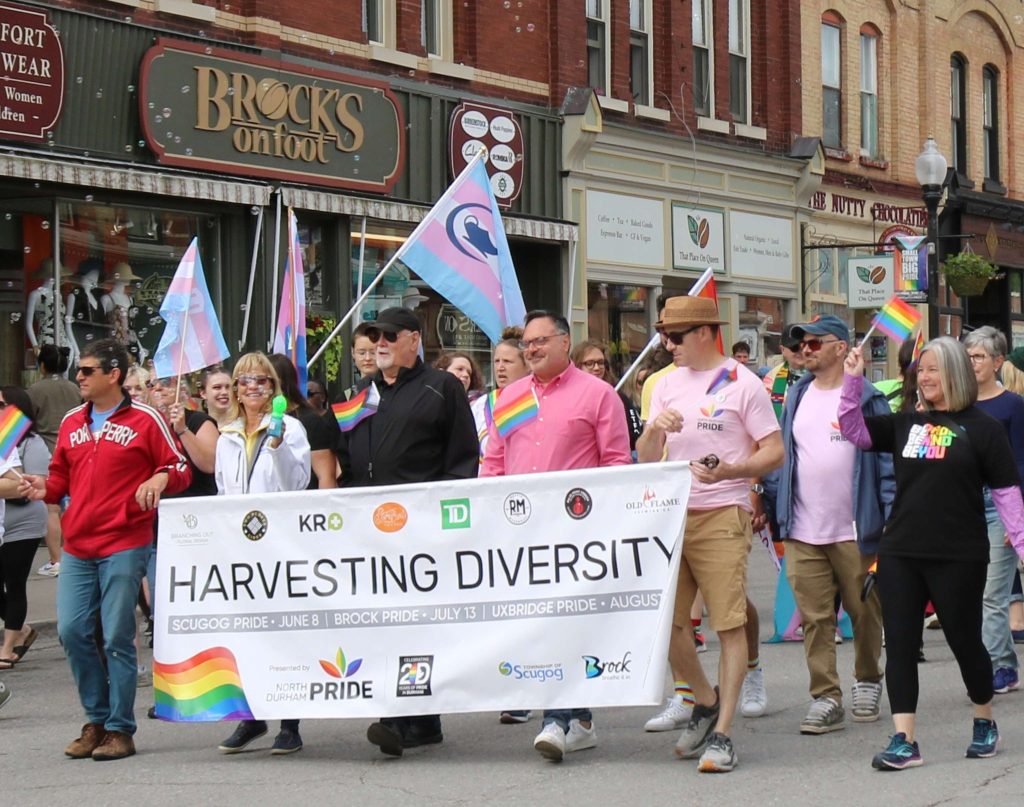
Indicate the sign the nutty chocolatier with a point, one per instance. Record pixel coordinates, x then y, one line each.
215 109
32 78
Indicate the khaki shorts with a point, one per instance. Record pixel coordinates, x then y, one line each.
716 544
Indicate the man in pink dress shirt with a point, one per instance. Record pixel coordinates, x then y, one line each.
579 424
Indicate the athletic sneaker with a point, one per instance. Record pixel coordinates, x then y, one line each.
511 718
675 715
699 641
1005 680
753 696
899 754
694 738
985 739
550 743
866 699
719 756
826 714
49 569
578 738
247 731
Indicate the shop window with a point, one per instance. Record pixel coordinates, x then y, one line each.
640 64
373 21
831 82
617 315
113 268
761 324
869 93
739 64
958 111
703 48
990 121
597 62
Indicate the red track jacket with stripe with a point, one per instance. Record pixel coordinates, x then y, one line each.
101 477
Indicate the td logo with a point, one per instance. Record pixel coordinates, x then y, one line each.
454 514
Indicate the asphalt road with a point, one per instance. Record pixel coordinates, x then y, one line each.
482 761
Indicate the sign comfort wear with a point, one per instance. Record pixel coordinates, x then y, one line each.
534 591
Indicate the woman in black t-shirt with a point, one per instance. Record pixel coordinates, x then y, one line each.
322 433
935 544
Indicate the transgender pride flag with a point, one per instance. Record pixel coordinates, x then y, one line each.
290 336
460 249
191 339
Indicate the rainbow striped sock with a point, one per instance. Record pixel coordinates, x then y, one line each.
753 664
682 690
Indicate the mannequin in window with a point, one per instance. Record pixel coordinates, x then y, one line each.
84 320
118 306
39 308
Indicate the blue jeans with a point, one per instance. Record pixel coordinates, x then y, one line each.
995 626
563 716
110 587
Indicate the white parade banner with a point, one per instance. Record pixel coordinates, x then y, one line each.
524 592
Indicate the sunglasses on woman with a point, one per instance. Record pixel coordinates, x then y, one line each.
253 381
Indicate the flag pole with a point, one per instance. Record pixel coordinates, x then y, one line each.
391 261
277 258
871 330
181 354
252 278
362 255
572 282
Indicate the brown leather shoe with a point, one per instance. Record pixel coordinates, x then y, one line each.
115 745
82 748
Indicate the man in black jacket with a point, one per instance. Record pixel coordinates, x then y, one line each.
423 431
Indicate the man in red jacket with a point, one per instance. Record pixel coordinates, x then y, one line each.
114 458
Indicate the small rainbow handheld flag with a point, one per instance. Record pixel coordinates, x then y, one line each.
509 415
14 424
489 403
724 377
896 319
918 347
358 408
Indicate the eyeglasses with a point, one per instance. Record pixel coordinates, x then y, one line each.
978 358
253 381
595 364
364 354
677 337
814 345
540 341
88 371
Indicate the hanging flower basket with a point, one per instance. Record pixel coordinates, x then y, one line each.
968 273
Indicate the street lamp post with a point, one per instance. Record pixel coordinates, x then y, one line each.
930 168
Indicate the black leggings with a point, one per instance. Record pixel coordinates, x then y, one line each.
15 566
955 589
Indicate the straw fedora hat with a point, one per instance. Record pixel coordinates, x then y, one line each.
687 312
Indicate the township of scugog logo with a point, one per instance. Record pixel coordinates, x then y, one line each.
341 668
505 668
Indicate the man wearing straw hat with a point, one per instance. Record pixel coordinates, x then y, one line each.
717 414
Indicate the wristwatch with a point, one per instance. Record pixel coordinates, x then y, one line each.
757 488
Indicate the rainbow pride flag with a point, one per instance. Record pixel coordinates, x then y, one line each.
918 347
489 403
896 319
357 408
200 689
723 378
511 414
14 424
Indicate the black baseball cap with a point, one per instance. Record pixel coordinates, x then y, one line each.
790 340
396 319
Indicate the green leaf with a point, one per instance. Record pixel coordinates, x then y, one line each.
864 273
693 225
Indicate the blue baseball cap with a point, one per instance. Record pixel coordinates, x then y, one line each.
823 326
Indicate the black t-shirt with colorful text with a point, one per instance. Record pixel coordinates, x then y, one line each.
942 460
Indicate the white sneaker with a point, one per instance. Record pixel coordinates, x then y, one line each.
49 569
753 697
867 697
550 743
674 716
579 738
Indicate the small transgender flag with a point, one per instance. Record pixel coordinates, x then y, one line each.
511 414
192 338
896 319
357 408
290 337
460 249
14 424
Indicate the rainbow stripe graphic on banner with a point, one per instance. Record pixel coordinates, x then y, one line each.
897 319
14 424
725 376
201 689
512 414
357 408
910 264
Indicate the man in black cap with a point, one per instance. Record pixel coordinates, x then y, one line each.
783 376
423 431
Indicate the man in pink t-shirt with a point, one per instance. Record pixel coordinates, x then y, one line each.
717 414
832 503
